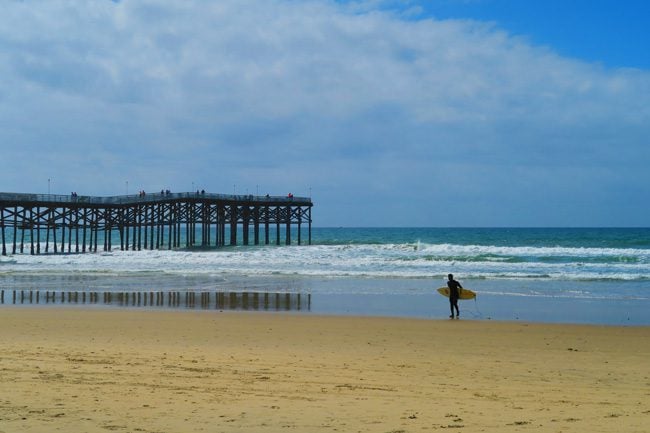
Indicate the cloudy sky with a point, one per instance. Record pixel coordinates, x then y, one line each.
389 113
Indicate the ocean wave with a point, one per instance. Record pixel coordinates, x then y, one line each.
405 260
531 251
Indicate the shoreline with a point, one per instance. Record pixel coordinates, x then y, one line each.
184 371
487 307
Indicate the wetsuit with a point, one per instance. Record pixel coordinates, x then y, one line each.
454 294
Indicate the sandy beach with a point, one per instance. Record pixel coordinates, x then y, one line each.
97 370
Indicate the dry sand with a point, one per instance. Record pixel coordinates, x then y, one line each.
85 370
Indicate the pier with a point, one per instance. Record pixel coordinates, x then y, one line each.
47 223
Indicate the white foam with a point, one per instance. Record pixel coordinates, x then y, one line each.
384 261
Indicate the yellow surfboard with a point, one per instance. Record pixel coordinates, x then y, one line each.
464 293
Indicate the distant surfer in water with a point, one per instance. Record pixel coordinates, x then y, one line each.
454 294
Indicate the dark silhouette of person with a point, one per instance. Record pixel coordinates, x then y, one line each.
454 294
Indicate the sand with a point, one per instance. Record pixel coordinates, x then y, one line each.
98 370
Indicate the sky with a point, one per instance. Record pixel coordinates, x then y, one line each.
440 113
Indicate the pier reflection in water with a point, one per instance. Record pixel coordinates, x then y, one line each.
206 300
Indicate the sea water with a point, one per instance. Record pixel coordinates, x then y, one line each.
585 275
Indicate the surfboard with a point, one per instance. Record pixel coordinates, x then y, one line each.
464 293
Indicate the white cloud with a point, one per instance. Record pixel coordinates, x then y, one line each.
281 89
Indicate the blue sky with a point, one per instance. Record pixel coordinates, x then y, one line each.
610 32
389 113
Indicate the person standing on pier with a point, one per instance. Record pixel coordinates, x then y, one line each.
454 293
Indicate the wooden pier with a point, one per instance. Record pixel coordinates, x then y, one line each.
45 223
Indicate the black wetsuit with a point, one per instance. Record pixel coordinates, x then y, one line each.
454 294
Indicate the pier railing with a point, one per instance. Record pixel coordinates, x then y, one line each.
147 198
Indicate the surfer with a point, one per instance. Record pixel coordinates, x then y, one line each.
454 294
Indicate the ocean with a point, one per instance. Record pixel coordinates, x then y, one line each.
574 275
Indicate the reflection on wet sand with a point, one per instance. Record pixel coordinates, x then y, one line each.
173 299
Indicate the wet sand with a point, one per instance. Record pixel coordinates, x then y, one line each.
98 370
